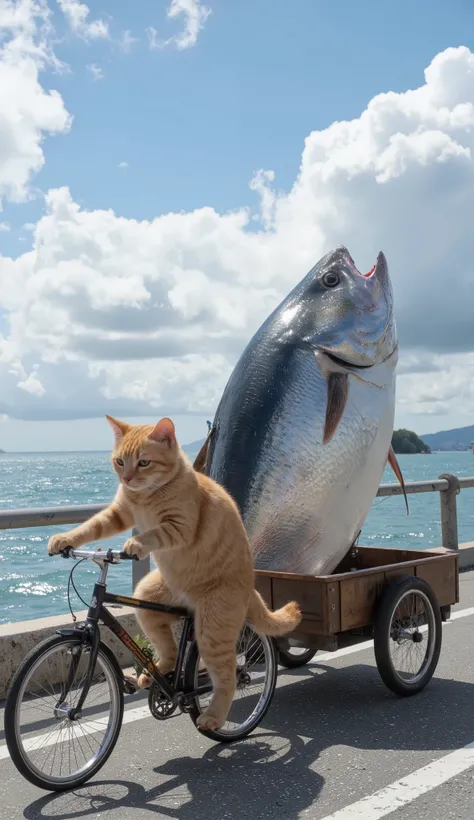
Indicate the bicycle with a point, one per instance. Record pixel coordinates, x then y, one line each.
76 660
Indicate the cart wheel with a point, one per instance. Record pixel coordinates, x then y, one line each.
407 635
294 656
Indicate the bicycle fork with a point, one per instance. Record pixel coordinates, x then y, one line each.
90 636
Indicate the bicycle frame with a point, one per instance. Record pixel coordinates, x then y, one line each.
90 633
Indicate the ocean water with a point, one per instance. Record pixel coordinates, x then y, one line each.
33 585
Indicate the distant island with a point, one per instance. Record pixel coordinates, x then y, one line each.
193 448
459 438
406 442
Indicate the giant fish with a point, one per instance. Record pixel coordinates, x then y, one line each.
303 430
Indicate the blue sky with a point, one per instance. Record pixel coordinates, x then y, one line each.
194 125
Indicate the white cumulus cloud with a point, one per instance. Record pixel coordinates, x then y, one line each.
137 317
27 111
194 14
77 15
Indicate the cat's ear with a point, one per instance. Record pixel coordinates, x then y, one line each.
119 428
164 432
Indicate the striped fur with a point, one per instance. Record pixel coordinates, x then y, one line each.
193 530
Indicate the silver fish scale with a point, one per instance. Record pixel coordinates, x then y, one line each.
305 506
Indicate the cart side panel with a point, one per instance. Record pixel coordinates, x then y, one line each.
263 585
333 603
358 598
403 572
319 602
442 575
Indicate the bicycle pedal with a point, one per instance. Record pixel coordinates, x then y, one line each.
130 685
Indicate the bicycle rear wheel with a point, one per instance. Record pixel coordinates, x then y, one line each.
256 680
48 748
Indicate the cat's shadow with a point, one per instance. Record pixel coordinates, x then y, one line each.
261 776
274 772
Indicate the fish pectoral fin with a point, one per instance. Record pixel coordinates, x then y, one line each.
337 393
393 461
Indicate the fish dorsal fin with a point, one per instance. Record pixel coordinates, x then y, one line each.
200 462
393 461
337 393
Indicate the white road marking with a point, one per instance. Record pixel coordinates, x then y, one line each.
462 613
141 712
89 727
404 791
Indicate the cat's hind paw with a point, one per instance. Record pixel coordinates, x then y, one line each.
144 681
209 723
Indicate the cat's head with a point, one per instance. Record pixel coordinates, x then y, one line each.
145 457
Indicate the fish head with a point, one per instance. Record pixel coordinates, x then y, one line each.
342 312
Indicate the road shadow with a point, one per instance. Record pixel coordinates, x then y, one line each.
274 772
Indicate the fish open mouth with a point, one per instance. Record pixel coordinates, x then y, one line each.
364 275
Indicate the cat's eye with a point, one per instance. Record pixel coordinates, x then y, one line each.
119 461
143 462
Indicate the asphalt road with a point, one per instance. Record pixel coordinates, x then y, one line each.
335 745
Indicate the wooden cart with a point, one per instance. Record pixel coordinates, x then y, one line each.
396 597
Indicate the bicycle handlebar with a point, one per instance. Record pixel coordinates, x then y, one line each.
112 556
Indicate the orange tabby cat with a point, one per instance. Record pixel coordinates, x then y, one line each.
193 530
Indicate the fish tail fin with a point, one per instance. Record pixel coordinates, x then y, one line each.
393 461
270 623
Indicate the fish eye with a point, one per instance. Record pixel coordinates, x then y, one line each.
331 279
143 462
119 461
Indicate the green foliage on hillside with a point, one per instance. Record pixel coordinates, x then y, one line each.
408 443
457 439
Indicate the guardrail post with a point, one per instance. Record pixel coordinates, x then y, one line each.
139 568
449 512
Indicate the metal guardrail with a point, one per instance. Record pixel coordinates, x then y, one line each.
447 485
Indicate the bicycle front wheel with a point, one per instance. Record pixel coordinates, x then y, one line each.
255 685
51 750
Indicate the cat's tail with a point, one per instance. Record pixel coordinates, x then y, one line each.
270 623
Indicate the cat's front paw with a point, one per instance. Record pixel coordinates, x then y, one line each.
133 546
58 543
